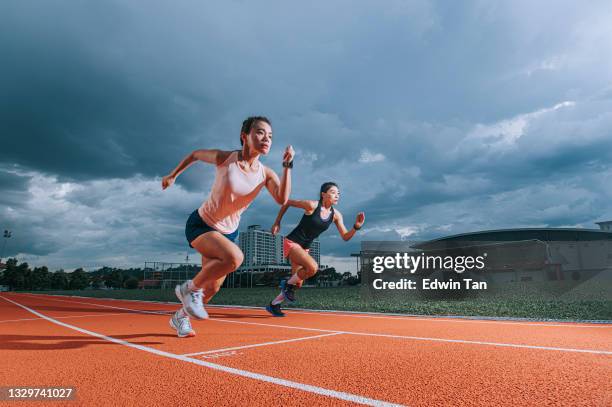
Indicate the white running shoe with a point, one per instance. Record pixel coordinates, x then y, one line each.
192 301
181 325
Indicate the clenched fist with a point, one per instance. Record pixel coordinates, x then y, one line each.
167 181
288 154
360 219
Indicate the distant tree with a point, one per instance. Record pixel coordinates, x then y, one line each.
59 280
352 280
40 278
349 279
97 281
330 274
19 276
114 279
131 283
104 270
331 271
125 276
27 278
9 276
79 279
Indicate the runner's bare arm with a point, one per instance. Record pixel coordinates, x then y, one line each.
280 189
308 206
207 156
339 221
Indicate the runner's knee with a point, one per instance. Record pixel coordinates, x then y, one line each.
307 271
234 260
311 269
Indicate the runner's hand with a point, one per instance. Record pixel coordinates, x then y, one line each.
360 219
288 154
167 181
275 228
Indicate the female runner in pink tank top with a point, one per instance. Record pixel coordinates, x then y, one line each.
212 229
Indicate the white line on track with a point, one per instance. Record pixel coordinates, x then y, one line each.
420 338
239 372
161 312
459 320
262 344
66 317
375 315
415 338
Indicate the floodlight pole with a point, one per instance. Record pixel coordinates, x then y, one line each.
7 236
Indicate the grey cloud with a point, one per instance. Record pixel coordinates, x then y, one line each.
13 188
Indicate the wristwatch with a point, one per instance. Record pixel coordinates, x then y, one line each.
288 164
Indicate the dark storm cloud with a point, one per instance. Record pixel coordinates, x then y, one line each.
13 188
116 89
10 181
81 99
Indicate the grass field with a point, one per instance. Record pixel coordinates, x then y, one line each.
521 304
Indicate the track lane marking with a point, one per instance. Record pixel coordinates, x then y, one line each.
364 314
256 345
66 317
421 338
239 372
416 338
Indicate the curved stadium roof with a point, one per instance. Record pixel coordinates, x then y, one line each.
513 235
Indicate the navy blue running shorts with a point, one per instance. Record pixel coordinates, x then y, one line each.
196 226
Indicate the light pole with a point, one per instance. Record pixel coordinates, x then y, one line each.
186 267
7 236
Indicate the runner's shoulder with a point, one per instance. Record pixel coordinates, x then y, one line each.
223 155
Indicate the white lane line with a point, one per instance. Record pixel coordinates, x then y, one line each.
459 320
67 317
421 338
374 315
161 312
239 372
262 344
416 338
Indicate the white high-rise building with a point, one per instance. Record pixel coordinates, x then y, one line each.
263 253
260 247
315 251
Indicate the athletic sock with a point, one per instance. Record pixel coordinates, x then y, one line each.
295 278
279 299
191 286
181 313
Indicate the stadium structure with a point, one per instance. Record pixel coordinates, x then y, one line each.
558 261
535 254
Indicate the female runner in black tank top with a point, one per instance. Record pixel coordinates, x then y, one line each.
318 216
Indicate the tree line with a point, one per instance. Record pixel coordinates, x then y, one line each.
21 277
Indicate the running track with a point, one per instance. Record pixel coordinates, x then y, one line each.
124 353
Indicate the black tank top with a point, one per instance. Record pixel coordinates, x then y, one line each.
310 227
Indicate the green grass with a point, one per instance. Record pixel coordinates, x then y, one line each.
520 303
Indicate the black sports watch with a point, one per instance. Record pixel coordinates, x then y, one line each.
288 164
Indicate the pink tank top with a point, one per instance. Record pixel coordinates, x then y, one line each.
233 191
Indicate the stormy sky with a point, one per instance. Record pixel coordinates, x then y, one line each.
434 117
